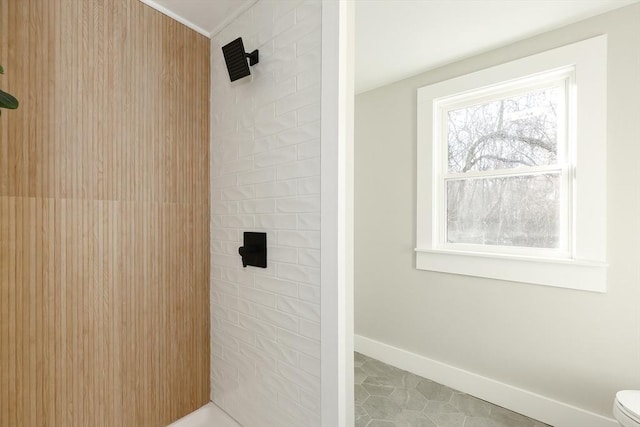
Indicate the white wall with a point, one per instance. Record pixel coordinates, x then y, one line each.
572 346
265 140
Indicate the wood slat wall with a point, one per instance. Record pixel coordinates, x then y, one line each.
104 215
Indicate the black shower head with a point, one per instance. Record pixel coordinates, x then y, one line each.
236 59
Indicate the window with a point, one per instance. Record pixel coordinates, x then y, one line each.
511 170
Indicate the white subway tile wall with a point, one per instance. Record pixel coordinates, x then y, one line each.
265 176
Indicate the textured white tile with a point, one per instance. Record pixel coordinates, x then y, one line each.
237 165
225 260
271 267
276 221
309 257
282 7
295 33
309 150
257 206
261 359
276 189
257 326
299 239
298 376
276 124
223 313
234 357
223 340
282 254
224 234
260 297
256 176
277 286
226 287
238 332
299 343
310 400
299 99
237 221
279 385
283 22
224 247
276 350
278 318
237 193
224 181
299 273
307 329
309 43
231 139
242 277
310 293
226 369
309 61
265 138
245 306
279 59
224 207
216 195
302 415
276 157
229 301
264 114
308 114
309 222
299 204
249 147
216 221
309 185
302 309
309 364
308 10
271 94
302 133
300 169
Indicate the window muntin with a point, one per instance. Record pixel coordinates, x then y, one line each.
503 180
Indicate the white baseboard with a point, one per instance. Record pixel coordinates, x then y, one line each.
533 405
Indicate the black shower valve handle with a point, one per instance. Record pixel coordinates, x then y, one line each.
254 251
250 249
246 250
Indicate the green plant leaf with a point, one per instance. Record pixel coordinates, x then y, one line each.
8 101
1 70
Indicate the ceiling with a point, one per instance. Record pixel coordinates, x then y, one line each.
396 39
205 16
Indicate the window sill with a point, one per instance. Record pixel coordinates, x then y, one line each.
571 274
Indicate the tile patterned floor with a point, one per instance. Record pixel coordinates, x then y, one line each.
390 397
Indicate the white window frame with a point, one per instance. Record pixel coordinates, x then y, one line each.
581 262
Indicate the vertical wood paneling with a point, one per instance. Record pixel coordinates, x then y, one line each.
104 215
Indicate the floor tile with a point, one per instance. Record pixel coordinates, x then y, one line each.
378 386
381 408
470 405
434 391
386 396
409 399
361 394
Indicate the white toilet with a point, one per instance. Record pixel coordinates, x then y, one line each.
626 408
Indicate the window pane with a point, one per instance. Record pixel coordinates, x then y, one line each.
518 131
508 211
